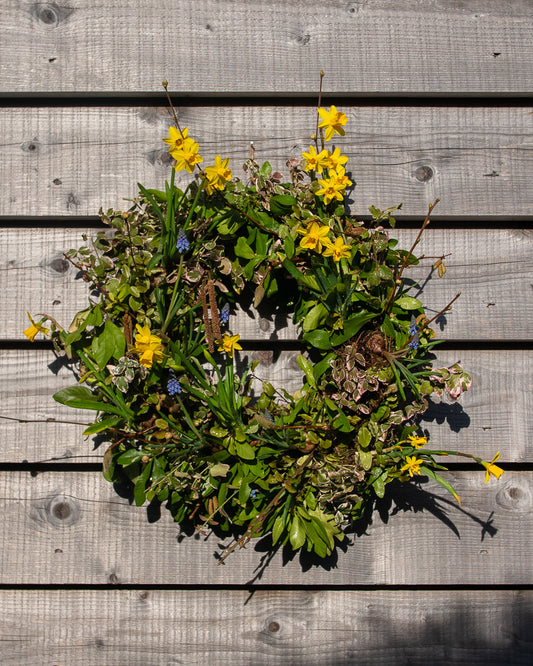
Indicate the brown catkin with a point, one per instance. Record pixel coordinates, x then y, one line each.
215 320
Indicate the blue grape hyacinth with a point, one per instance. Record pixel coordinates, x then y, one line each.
173 385
183 244
224 314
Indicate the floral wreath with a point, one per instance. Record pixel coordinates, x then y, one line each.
155 348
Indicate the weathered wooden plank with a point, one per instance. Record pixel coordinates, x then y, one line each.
492 268
63 528
493 416
83 628
252 47
70 161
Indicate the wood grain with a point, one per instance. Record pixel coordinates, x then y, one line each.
71 161
238 627
493 416
73 528
492 268
249 47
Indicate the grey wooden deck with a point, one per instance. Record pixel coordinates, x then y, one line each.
438 97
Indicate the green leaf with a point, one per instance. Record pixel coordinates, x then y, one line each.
306 365
281 204
245 451
352 326
363 436
379 484
80 397
110 343
277 530
219 469
289 247
314 317
320 368
307 280
99 426
408 303
266 169
297 533
436 477
139 491
318 338
129 457
108 465
365 458
242 249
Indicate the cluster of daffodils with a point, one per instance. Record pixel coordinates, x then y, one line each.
184 150
156 350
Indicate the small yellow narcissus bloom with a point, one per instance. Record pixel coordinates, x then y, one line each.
32 331
187 156
314 236
330 189
335 159
218 174
338 250
412 465
175 139
417 442
332 122
315 161
340 177
229 344
492 468
148 347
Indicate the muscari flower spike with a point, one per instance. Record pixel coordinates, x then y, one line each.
413 330
173 385
183 244
224 313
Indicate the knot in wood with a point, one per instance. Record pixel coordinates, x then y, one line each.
63 511
515 496
47 13
31 147
59 265
273 627
424 173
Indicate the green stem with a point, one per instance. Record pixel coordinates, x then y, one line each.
174 297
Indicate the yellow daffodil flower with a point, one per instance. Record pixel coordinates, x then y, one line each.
341 178
314 236
187 156
217 175
332 122
412 465
335 159
229 344
315 161
330 189
175 139
148 347
338 250
32 331
417 442
492 468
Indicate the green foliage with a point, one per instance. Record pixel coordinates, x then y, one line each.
183 426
